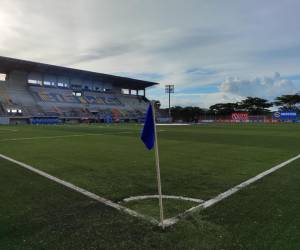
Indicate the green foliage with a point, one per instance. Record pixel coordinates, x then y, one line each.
288 102
223 108
252 105
186 114
255 106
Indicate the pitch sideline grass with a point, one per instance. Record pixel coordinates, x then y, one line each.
188 205
77 223
284 149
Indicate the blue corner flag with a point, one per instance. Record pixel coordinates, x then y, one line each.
148 136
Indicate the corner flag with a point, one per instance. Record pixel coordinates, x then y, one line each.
148 133
149 138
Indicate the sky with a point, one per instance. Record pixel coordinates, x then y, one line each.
212 51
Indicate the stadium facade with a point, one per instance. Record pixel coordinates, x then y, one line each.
33 92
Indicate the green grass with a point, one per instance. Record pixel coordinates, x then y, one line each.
196 161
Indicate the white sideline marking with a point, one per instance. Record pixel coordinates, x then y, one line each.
82 191
63 136
144 197
173 124
66 136
231 191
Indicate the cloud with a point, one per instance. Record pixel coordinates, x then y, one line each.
156 40
201 71
100 53
206 100
267 87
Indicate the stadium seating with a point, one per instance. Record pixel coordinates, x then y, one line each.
42 102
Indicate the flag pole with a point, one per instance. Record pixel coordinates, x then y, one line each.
161 208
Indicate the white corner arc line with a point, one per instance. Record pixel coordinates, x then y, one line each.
144 197
229 192
83 191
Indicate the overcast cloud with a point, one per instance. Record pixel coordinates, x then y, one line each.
266 87
213 51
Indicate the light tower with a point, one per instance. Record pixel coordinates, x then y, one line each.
169 89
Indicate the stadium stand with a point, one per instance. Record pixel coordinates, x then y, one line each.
45 94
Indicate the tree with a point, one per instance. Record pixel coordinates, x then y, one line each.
255 105
288 102
191 114
223 108
176 113
187 114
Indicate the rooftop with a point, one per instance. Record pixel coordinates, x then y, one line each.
7 64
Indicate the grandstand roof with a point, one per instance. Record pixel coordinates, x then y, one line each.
7 64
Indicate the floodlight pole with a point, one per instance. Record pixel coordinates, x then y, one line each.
169 89
161 208
169 106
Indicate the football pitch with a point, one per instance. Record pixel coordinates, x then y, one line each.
110 161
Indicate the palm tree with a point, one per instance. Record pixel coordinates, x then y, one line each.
255 105
288 102
223 108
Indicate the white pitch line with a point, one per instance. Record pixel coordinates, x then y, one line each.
43 137
144 197
173 124
82 191
62 136
66 136
231 191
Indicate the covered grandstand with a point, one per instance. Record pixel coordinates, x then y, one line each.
37 93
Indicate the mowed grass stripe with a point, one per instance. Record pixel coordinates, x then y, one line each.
81 190
61 136
40 214
53 130
119 166
111 169
263 216
230 192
